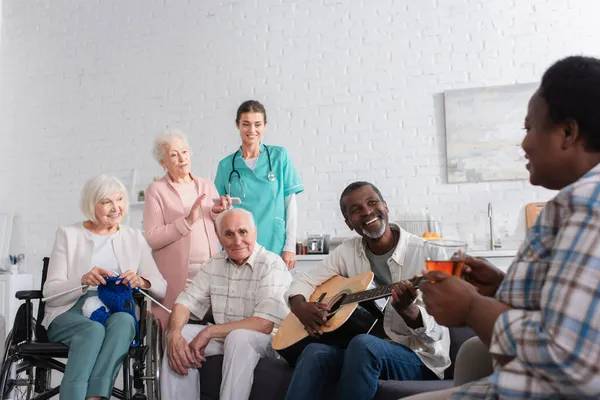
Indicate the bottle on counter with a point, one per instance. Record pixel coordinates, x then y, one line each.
298 248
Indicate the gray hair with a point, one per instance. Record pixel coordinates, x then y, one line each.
164 138
98 188
248 214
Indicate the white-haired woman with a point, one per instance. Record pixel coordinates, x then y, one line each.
85 254
179 217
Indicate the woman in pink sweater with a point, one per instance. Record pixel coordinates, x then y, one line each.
179 218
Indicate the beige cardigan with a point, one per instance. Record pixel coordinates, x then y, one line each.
73 247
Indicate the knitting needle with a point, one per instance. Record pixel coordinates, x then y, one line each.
70 290
151 298
65 292
86 286
146 294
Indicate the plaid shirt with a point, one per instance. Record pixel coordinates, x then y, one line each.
253 289
553 286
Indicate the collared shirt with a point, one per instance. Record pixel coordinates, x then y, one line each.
553 330
237 292
431 342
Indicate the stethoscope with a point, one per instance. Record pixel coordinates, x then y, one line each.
234 171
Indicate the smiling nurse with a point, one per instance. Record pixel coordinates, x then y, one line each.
265 180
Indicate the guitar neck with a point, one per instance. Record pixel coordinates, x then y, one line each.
374 294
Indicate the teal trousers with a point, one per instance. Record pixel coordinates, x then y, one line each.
95 351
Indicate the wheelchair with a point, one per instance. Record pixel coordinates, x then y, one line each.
30 358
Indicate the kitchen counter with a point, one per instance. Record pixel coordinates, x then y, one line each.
310 257
492 253
500 258
474 253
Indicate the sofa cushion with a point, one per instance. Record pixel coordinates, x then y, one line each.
271 380
394 390
457 337
272 377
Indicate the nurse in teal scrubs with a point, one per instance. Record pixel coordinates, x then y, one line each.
265 180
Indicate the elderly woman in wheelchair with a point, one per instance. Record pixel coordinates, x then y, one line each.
85 257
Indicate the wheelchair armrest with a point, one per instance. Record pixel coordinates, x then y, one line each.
138 296
29 294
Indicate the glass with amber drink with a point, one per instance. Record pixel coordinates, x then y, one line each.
447 256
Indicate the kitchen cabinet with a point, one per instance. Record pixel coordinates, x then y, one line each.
9 285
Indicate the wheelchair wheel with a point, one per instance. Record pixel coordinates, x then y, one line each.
153 357
16 380
7 347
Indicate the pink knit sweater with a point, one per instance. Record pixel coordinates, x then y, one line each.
168 234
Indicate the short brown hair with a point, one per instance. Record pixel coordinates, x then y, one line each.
250 106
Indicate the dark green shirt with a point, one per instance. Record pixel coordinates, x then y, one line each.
380 267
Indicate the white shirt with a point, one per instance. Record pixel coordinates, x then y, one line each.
251 162
104 254
431 342
237 292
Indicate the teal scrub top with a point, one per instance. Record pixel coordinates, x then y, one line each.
263 198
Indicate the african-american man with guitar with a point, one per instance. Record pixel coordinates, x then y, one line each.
404 344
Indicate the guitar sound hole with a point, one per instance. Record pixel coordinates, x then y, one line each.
335 304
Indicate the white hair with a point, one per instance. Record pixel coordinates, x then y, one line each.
164 138
220 217
98 188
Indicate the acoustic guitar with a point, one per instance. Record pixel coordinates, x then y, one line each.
353 311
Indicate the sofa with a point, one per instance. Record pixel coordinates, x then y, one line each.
272 377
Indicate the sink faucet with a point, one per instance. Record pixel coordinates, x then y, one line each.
493 244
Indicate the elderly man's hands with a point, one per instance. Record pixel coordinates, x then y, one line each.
447 298
198 345
403 296
311 314
181 357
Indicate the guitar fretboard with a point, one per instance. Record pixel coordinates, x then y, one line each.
374 294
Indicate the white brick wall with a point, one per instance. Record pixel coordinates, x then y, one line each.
353 90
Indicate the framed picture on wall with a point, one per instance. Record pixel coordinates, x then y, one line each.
484 130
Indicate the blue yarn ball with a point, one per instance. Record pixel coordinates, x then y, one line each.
118 298
100 315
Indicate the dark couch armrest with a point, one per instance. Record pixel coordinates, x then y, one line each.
29 294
